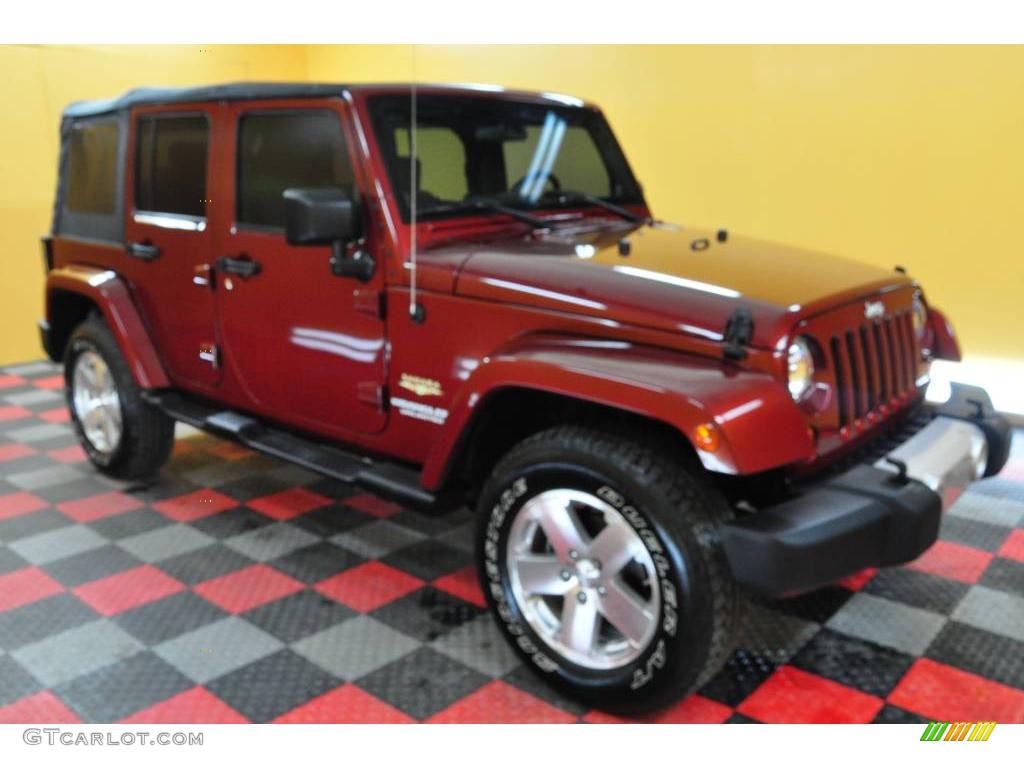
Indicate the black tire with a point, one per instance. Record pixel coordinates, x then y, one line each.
693 638
147 435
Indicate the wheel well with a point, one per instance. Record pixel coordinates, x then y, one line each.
66 309
512 414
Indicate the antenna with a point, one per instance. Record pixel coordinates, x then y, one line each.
416 313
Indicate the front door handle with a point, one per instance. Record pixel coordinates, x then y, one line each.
242 265
145 250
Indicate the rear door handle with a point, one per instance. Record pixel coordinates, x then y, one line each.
243 266
144 251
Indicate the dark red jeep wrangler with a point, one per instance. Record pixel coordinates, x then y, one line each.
650 420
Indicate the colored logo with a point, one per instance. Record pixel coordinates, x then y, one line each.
958 731
420 385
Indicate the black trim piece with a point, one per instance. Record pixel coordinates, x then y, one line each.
896 365
246 91
243 266
45 338
47 243
913 353
851 353
864 517
395 481
906 351
974 405
841 386
108 227
58 198
883 375
224 92
869 368
845 520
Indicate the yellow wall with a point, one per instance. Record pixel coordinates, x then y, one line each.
908 155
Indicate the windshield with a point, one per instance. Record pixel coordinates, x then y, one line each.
524 155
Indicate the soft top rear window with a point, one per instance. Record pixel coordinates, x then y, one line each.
90 191
92 167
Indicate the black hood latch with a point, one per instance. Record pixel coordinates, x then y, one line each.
739 330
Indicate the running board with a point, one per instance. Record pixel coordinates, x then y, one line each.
397 482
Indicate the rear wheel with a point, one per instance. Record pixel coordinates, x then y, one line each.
123 436
601 560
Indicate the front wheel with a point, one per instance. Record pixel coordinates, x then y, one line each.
601 561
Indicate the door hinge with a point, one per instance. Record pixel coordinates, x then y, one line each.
368 301
371 393
210 353
202 275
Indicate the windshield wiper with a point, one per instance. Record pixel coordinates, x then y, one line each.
569 197
486 205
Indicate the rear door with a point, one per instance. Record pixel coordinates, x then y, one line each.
168 239
307 346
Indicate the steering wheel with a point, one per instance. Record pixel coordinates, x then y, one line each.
517 188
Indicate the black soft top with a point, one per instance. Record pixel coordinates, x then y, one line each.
223 92
107 222
247 91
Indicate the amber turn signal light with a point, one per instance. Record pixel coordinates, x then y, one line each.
706 437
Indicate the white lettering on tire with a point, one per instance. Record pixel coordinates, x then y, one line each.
498 513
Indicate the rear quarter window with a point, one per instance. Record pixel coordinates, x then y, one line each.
92 168
90 188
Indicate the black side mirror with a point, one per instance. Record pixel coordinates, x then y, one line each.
327 216
320 216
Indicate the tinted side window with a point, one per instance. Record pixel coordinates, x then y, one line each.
92 168
170 170
277 151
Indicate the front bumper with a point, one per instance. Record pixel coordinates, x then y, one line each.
877 514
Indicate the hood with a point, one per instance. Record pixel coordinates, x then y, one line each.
665 277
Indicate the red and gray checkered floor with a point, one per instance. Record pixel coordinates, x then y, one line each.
238 588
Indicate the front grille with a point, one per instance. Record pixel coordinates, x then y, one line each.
874 365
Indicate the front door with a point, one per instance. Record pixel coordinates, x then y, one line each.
307 346
168 240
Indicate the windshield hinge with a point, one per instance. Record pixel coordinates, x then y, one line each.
371 393
368 301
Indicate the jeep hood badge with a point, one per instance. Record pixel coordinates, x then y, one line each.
873 309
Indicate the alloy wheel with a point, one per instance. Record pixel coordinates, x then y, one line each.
583 578
96 402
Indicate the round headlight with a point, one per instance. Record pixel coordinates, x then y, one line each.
920 312
801 369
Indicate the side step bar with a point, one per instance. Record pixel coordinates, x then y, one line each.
395 481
